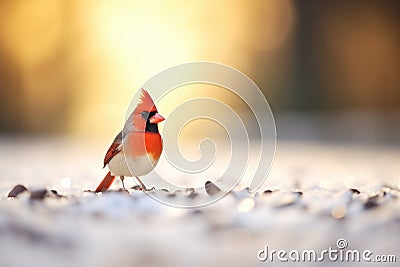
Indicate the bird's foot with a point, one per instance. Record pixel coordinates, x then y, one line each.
123 190
144 189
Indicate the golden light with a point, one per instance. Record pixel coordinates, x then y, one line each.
246 205
136 39
86 59
32 33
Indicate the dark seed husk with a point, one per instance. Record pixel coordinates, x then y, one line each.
197 212
54 193
211 188
298 193
354 191
18 189
136 187
189 190
38 194
89 191
193 195
372 202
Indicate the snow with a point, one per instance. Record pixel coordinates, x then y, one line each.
309 206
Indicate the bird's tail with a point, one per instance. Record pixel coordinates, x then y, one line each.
106 183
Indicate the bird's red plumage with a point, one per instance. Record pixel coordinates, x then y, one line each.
138 142
146 103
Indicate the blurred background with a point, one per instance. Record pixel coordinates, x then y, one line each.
330 70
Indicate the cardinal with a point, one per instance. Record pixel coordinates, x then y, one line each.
136 150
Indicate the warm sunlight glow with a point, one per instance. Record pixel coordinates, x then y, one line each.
135 40
86 59
246 205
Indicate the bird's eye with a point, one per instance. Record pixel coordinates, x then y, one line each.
145 114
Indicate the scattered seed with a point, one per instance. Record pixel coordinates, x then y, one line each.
372 202
354 191
289 200
211 188
136 187
193 195
18 189
196 212
189 190
89 191
56 194
370 205
38 194
298 193
121 190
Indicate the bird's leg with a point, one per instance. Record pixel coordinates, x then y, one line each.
122 180
143 186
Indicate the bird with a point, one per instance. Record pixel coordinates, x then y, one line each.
135 150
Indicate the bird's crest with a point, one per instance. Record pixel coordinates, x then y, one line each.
146 103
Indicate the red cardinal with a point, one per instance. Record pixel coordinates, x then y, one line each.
138 145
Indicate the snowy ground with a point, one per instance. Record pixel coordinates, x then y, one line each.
309 205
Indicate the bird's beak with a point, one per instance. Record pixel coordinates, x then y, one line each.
156 118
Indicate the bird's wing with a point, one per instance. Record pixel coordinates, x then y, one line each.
114 149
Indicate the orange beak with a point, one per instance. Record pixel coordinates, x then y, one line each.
156 118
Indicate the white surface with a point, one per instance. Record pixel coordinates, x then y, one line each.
118 229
